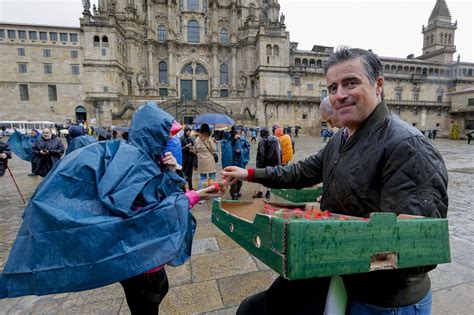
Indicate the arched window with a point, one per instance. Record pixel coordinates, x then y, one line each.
163 72
305 63
161 33
224 74
188 69
105 41
96 41
276 50
469 72
319 64
297 62
312 63
224 37
200 69
268 50
431 39
441 38
445 38
193 32
449 39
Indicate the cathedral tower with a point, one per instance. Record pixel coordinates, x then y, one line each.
438 36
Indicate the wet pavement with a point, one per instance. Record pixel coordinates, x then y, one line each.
221 274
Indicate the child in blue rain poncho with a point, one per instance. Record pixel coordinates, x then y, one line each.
108 212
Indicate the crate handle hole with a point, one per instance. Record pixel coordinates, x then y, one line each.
231 228
217 216
257 241
383 261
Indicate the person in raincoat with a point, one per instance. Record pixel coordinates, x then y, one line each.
268 154
5 154
77 139
47 152
235 152
286 146
119 205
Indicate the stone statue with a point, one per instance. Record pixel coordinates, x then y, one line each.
94 9
242 82
282 18
141 80
86 4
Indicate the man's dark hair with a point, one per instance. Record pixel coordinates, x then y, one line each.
372 64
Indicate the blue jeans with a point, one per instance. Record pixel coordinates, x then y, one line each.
422 307
203 177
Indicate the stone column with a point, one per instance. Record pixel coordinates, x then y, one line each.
234 69
173 88
215 71
150 66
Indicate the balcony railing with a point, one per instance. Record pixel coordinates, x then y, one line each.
394 102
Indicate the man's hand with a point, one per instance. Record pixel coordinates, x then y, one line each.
3 156
209 193
170 161
44 152
233 174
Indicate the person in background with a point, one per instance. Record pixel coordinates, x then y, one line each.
297 131
77 139
254 135
5 154
188 151
47 150
235 151
377 163
268 154
286 147
205 151
287 131
328 115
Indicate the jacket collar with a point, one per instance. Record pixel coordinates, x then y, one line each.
380 113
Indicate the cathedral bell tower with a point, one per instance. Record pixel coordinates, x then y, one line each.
438 36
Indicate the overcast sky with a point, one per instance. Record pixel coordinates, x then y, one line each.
389 27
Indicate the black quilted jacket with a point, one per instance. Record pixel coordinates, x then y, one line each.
388 166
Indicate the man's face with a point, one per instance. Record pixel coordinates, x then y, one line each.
46 134
351 94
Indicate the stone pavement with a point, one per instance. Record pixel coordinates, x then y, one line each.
221 274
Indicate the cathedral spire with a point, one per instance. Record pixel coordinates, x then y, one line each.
440 12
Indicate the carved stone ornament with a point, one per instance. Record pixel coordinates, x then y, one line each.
86 4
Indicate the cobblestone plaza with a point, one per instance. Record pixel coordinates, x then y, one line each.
220 274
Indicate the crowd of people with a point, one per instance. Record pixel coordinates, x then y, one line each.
140 183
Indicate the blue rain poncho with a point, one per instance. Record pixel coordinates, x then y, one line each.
105 213
79 142
22 145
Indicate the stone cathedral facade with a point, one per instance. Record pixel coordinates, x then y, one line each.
229 56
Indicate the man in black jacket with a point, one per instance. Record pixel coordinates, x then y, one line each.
268 154
377 163
189 155
5 153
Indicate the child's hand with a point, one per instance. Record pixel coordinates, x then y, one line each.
209 193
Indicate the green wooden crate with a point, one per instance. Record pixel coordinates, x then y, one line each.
300 249
299 195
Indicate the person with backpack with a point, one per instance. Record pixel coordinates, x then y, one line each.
235 152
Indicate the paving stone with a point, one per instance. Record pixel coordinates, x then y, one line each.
205 245
221 264
454 301
450 275
111 292
460 247
226 242
192 298
467 260
225 311
179 275
260 264
106 307
236 288
207 230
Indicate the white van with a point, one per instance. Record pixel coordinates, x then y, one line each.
25 127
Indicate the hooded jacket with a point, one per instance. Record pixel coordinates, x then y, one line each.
4 148
286 146
44 163
385 166
120 211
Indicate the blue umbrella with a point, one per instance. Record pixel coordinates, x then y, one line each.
214 119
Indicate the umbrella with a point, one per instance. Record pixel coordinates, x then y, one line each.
214 119
298 127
